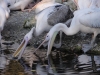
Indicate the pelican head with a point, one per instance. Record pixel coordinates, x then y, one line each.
23 44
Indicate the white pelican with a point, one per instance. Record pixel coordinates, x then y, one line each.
3 18
46 15
82 4
46 18
85 20
4 5
44 4
18 4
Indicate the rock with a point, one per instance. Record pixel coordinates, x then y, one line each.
71 4
29 23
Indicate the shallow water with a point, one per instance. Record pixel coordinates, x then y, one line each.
70 64
59 63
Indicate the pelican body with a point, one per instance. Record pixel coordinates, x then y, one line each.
3 18
48 18
4 5
83 4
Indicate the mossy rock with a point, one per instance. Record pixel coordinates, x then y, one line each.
29 23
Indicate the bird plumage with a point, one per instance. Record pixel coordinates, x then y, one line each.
2 21
18 4
43 5
4 5
91 19
83 4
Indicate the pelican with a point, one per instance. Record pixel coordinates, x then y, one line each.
23 44
4 5
46 12
11 2
85 20
82 4
18 4
44 4
3 18
47 18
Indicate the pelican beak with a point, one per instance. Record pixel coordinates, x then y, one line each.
23 44
40 45
21 47
50 43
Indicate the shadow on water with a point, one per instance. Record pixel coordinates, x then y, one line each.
60 63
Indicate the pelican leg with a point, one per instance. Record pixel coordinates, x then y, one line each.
87 47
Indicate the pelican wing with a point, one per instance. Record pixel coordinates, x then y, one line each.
60 14
91 19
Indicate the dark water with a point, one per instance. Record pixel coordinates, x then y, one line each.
69 64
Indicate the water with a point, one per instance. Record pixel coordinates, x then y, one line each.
64 63
70 64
